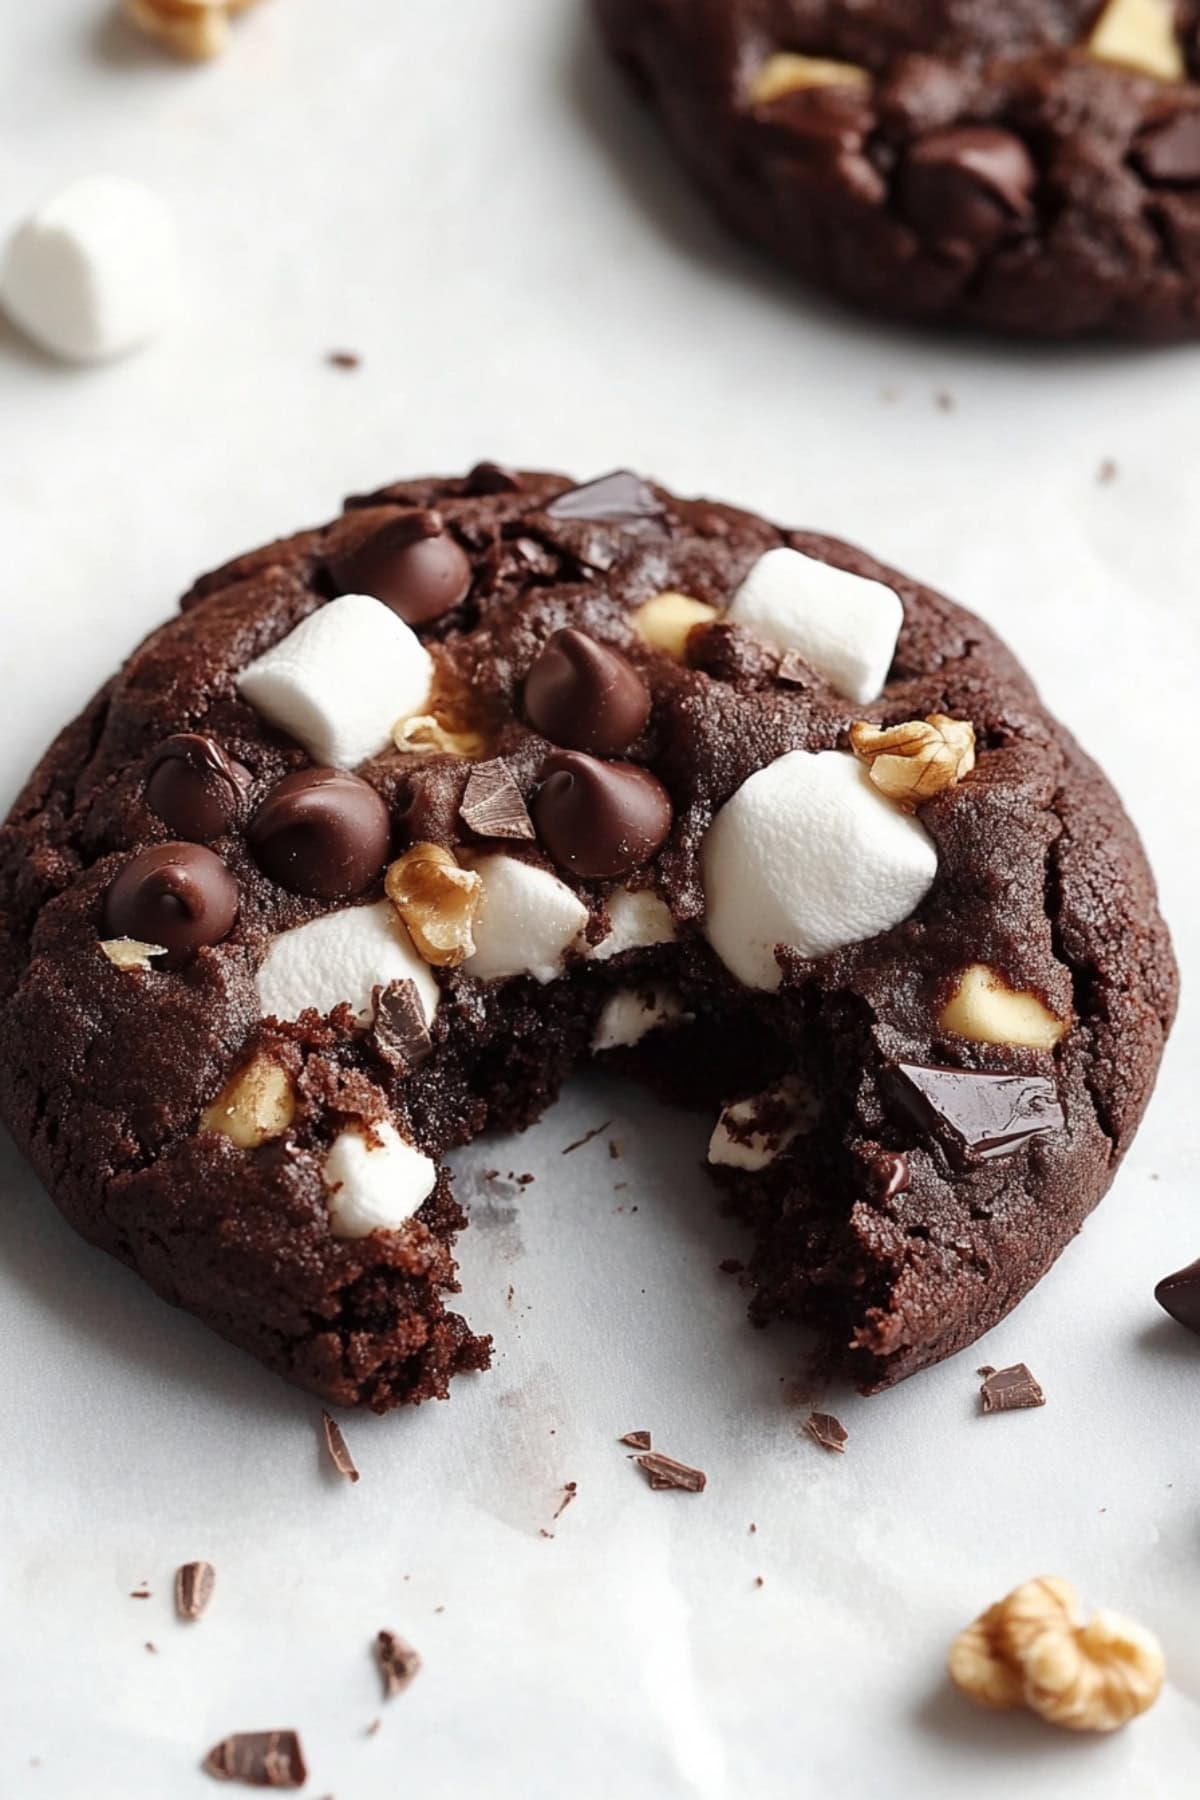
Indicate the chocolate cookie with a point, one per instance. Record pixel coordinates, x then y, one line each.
327 881
1031 166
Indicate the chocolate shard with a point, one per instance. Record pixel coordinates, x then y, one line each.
1179 1295
621 498
977 1115
339 1450
264 1759
570 1489
194 1583
400 1035
399 1663
637 1440
665 1472
793 671
492 805
1006 1390
827 1431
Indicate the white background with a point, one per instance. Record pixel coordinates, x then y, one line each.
462 194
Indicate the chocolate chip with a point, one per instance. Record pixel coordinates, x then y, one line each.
827 1431
412 564
1007 1390
338 1448
493 478
967 183
621 498
399 1663
665 1472
400 1035
585 695
1169 154
600 819
194 1583
493 805
1179 1295
265 1759
194 787
979 1115
178 895
322 832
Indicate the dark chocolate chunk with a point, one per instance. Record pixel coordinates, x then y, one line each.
492 478
597 819
1169 154
194 1583
1179 1295
492 805
264 1759
585 695
621 498
344 359
968 183
400 1035
399 1663
178 895
793 671
827 1431
637 1440
978 1115
412 564
1006 1390
195 788
665 1472
322 832
339 1450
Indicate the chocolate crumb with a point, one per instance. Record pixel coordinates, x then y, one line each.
266 1759
587 1137
637 1440
753 1528
1107 471
372 1728
793 670
542 1532
492 805
758 1581
1005 1390
827 1431
399 1663
400 1035
142 1593
614 1149
194 1584
570 1489
731 1266
344 359
339 1451
945 401
985 1370
152 1648
665 1472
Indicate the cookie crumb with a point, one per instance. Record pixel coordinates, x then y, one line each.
339 1450
344 359
827 1431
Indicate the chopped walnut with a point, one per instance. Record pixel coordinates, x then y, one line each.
912 762
785 73
1032 1649
666 620
1140 35
195 29
438 901
258 1104
425 734
130 953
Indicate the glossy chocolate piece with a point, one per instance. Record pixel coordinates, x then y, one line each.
600 820
621 498
970 183
178 895
1179 1295
586 696
195 788
977 1115
412 564
322 832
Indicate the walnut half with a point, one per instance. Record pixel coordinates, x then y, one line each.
437 901
1032 1649
912 762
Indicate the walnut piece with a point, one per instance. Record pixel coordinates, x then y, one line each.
986 1010
438 901
912 762
1139 35
130 953
424 734
1033 1649
665 620
258 1104
195 29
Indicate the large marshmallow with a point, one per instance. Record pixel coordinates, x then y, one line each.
376 1180
843 625
527 920
750 1134
93 273
630 1014
341 680
342 956
638 921
809 854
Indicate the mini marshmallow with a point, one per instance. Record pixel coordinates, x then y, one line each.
809 854
341 680
376 1180
843 625
750 1134
342 956
638 921
630 1014
526 922
93 273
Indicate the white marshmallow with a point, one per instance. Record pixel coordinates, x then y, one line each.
526 922
341 680
376 1180
628 1015
93 273
638 921
343 955
810 854
750 1134
843 625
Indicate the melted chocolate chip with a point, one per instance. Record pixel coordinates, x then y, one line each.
978 1115
1169 154
585 695
1179 1295
621 498
178 895
195 788
412 564
322 832
967 183
493 478
598 819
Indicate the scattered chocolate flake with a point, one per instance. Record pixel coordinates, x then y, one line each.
511 1293
731 1266
753 1528
339 1451
985 1371
372 1728
570 1489
344 359
399 1663
523 1180
542 1532
492 806
142 1593
758 1581
945 401
827 1431
793 670
665 1472
400 1035
587 1137
1005 1390
614 1149
152 1648
194 1583
637 1440
1107 472
266 1759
